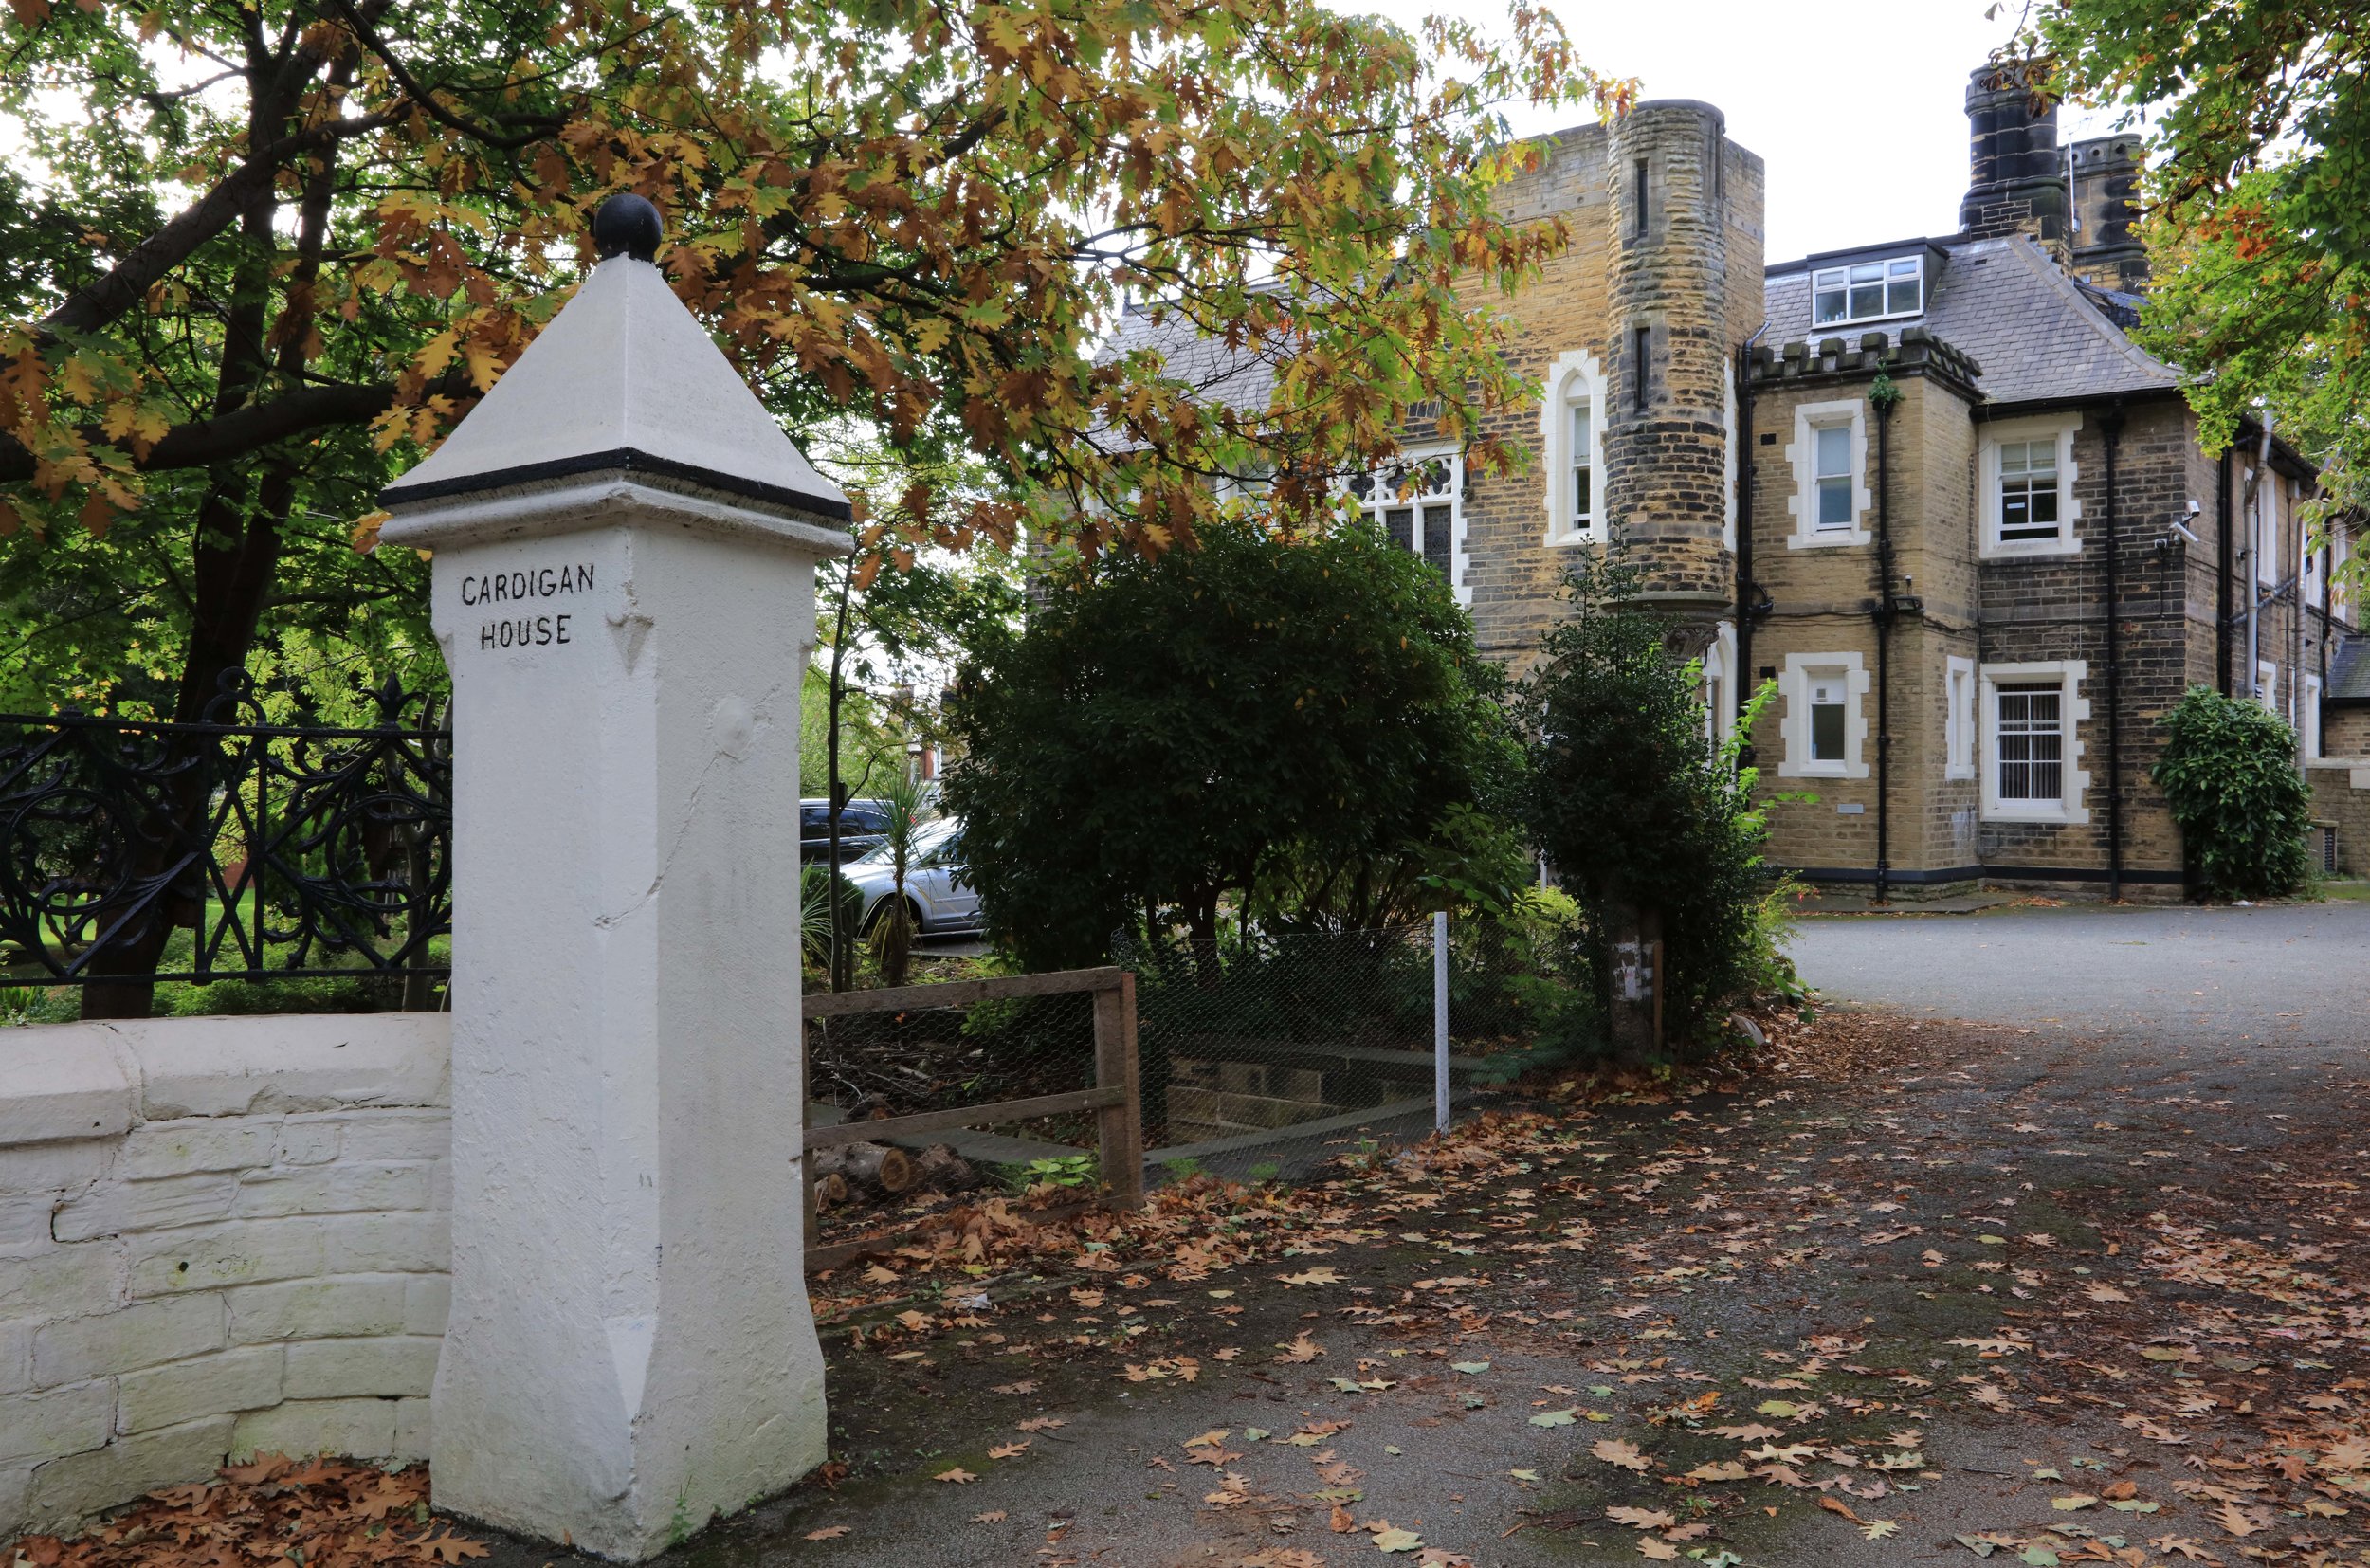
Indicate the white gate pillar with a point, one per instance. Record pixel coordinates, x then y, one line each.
624 589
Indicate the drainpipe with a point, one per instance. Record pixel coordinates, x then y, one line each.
1884 396
2221 577
2113 428
1746 680
2252 508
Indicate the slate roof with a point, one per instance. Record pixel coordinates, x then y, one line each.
2349 670
1237 378
2038 334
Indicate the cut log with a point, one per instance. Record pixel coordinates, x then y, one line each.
830 1191
881 1168
826 1162
946 1170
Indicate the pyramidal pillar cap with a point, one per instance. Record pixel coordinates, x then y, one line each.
621 406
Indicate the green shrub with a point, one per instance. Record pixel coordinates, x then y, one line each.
1643 824
2229 773
1297 732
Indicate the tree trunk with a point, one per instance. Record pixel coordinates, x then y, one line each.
946 1171
878 1167
235 554
1633 1015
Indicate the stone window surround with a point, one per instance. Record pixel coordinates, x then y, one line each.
1574 375
1719 690
1793 725
2309 716
2068 810
1453 454
1802 454
1959 726
1991 547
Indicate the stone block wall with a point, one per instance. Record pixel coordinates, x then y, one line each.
1694 279
218 1236
2341 797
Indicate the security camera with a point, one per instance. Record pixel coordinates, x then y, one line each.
2182 529
2194 507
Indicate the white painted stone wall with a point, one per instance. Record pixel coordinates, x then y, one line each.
218 1236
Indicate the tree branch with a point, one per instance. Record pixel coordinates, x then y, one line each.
203 442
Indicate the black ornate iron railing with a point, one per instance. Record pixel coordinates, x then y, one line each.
282 851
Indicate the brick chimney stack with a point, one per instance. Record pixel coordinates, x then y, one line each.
2016 176
2107 248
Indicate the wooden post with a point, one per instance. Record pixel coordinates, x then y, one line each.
1119 1128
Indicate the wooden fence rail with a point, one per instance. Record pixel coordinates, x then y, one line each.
1116 1097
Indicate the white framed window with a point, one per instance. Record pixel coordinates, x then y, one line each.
2033 746
2267 685
1868 291
2309 721
1830 501
1571 431
1824 726
2341 551
2266 545
2028 476
1417 502
1957 718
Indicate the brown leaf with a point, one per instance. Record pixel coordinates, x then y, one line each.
959 1475
1614 1450
994 1516
829 1532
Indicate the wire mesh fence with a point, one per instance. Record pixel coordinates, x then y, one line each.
1266 1054
1010 1056
1260 1057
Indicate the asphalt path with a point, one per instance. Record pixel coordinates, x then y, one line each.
2291 973
2133 1069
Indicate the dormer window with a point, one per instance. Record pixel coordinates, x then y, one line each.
1868 291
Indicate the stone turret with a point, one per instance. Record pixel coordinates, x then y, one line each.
2017 181
2107 247
1665 445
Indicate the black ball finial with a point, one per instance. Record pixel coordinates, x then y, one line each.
627 225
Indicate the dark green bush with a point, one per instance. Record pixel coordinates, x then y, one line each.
1641 822
1295 733
2229 773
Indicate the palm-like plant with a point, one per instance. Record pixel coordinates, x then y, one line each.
893 928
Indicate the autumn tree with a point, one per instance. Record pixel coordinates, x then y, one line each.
2256 190
263 254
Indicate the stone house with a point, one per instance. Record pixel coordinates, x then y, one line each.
1930 489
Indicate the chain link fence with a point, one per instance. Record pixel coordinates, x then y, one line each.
879 1065
1261 1057
1264 1055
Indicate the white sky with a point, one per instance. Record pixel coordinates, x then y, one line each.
1857 107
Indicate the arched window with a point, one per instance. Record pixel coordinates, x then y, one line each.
1572 439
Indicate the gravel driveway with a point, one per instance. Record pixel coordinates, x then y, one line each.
2290 972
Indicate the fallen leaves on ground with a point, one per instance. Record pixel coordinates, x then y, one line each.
271 1510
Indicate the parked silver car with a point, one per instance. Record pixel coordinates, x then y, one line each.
934 891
